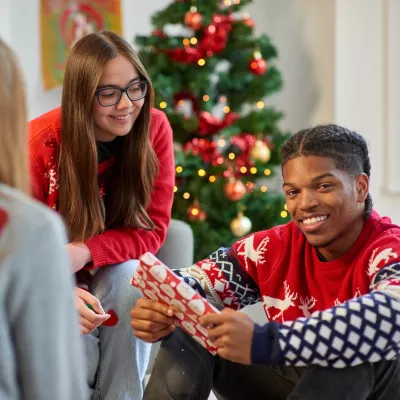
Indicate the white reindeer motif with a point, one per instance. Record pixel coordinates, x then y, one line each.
281 305
357 294
337 302
246 249
376 259
307 304
53 181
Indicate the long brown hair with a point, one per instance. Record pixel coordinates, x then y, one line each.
13 123
135 167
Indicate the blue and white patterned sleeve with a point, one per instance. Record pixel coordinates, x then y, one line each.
365 329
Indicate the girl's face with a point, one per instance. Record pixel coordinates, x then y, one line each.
118 119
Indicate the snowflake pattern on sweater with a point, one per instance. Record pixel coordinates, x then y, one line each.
338 313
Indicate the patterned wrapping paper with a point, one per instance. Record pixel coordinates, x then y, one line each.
156 281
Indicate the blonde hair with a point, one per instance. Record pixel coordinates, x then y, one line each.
13 123
135 168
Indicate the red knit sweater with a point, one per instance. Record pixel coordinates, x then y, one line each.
114 245
282 269
336 313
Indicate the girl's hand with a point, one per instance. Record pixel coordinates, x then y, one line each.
79 255
89 319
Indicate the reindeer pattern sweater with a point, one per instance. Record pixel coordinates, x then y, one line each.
114 246
338 313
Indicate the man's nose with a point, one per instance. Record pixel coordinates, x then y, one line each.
308 199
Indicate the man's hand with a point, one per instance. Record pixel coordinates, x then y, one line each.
79 255
151 320
232 333
89 320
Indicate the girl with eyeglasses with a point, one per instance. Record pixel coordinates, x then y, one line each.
41 352
104 161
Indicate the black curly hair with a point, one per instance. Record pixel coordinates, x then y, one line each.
348 149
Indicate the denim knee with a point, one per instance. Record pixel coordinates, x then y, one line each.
111 285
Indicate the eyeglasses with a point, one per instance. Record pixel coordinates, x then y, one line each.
111 96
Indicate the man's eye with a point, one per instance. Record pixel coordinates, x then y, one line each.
324 186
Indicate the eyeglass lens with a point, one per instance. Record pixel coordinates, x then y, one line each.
111 96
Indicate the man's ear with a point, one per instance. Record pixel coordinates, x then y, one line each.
362 187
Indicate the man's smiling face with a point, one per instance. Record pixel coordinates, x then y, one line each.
326 203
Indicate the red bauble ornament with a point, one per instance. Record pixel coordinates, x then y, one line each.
249 22
235 189
193 19
195 213
258 66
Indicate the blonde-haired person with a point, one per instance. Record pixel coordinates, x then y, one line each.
104 160
42 355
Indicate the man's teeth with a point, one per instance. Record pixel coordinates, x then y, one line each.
122 118
310 221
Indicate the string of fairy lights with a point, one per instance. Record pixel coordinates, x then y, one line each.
223 100
212 179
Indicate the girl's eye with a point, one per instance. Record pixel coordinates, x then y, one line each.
108 93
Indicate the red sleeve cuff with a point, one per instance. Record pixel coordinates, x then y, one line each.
99 253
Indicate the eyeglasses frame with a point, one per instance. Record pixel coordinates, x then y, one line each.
121 91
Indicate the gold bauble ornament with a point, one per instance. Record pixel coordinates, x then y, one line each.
241 225
260 152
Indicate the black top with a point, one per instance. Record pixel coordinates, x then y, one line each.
106 150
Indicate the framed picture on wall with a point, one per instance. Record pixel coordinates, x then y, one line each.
63 23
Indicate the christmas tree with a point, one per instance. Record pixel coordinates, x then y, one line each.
210 75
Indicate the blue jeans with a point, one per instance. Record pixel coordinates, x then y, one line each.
117 361
186 371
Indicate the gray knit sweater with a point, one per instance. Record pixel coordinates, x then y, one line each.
41 353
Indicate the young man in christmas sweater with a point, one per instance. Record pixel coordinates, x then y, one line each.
329 281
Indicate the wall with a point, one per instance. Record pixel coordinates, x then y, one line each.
303 33
366 78
5 23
